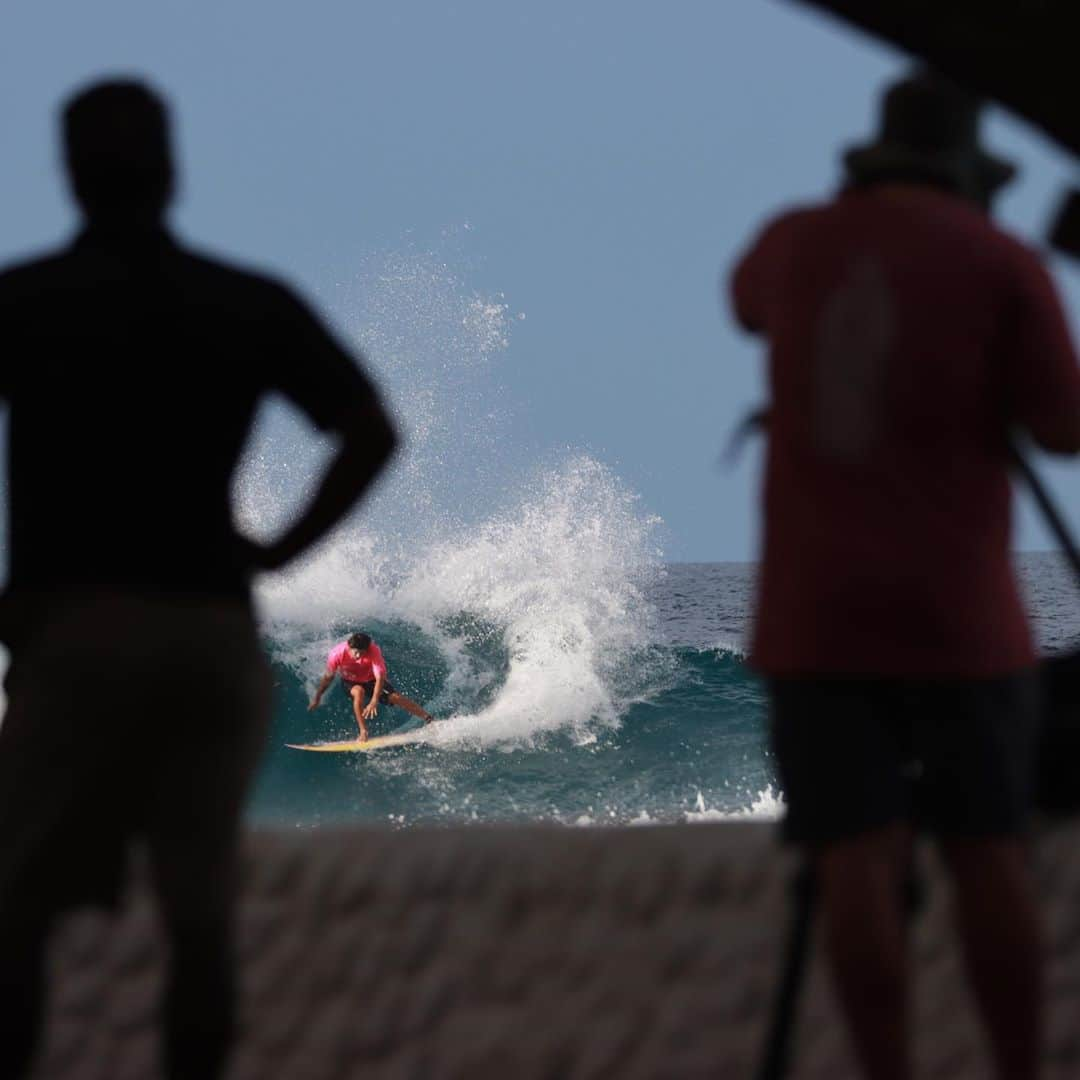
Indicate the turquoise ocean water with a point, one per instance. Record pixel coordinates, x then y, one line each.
548 718
590 709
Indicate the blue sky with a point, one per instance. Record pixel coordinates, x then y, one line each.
598 165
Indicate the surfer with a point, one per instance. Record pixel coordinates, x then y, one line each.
362 667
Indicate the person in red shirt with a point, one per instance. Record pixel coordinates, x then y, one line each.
908 336
359 662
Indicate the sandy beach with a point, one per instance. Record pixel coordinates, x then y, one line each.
526 952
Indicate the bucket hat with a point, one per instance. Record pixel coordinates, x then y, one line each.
929 133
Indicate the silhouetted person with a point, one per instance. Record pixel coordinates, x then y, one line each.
906 334
138 694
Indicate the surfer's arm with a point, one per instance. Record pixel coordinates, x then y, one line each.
1043 370
372 707
324 685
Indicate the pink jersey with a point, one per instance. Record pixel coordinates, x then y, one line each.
368 668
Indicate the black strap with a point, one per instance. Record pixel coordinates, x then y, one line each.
1046 505
751 423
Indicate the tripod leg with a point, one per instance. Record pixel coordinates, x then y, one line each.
774 1063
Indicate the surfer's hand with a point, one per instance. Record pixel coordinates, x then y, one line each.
370 710
314 704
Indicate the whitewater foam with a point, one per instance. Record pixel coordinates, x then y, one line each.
563 575
765 805
462 538
559 578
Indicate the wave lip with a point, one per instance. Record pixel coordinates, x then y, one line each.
562 575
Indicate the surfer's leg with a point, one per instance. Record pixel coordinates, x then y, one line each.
410 706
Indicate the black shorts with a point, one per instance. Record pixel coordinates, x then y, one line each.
951 757
384 697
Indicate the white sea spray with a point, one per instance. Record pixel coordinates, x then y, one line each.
550 549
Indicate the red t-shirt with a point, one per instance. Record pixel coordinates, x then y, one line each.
906 336
370 665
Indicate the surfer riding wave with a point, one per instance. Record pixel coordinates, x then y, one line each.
362 667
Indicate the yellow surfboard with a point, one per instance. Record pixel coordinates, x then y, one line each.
380 742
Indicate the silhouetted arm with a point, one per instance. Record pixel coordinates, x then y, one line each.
1044 390
308 365
751 284
361 458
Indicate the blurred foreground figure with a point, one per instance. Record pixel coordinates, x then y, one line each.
906 336
138 694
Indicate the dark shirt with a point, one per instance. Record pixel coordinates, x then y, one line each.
132 368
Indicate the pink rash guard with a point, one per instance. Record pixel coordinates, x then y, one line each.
367 669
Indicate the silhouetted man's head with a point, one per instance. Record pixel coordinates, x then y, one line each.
929 134
116 137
